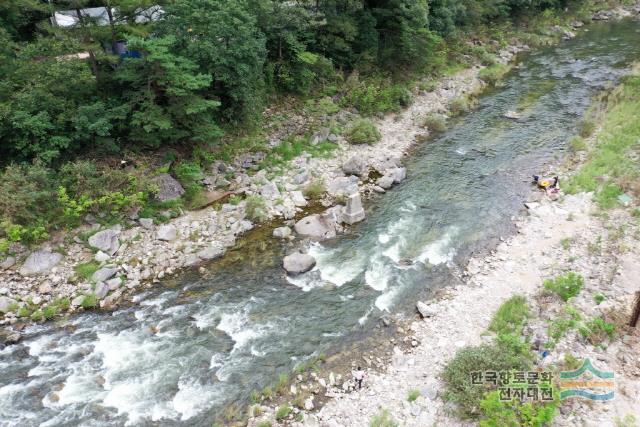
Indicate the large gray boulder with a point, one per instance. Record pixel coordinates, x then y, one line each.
343 186
269 191
168 188
167 232
316 226
353 212
298 263
40 262
6 303
298 198
104 274
106 241
356 165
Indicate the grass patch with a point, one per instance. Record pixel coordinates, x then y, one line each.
283 412
598 298
256 208
493 74
314 190
436 123
459 105
511 316
363 131
577 143
383 419
565 321
413 395
612 166
597 330
89 301
87 269
567 286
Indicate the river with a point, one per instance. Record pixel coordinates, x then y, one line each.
236 328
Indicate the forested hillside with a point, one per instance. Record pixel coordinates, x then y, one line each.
206 64
91 79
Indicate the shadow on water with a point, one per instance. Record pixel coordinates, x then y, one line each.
200 342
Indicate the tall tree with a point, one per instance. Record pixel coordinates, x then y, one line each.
221 36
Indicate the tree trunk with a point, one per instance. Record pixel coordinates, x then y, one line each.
636 312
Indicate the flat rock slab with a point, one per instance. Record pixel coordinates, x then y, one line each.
40 262
167 233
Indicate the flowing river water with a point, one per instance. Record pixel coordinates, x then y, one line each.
236 328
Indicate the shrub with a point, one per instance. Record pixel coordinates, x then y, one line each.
37 316
597 330
264 424
50 311
494 73
283 381
577 143
190 175
586 128
267 393
459 106
567 286
314 190
413 395
599 298
89 301
435 123
488 357
283 412
511 316
499 413
87 269
256 208
383 419
571 363
363 131
375 96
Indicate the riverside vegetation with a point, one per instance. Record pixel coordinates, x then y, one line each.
182 101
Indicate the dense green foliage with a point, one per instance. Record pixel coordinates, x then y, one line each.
207 64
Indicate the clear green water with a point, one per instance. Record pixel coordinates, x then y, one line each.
236 329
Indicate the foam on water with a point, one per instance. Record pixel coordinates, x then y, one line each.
334 267
378 274
439 251
385 301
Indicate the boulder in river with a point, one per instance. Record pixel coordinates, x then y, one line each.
316 227
40 262
106 241
298 263
353 212
168 188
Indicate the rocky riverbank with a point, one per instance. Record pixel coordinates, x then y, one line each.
554 237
